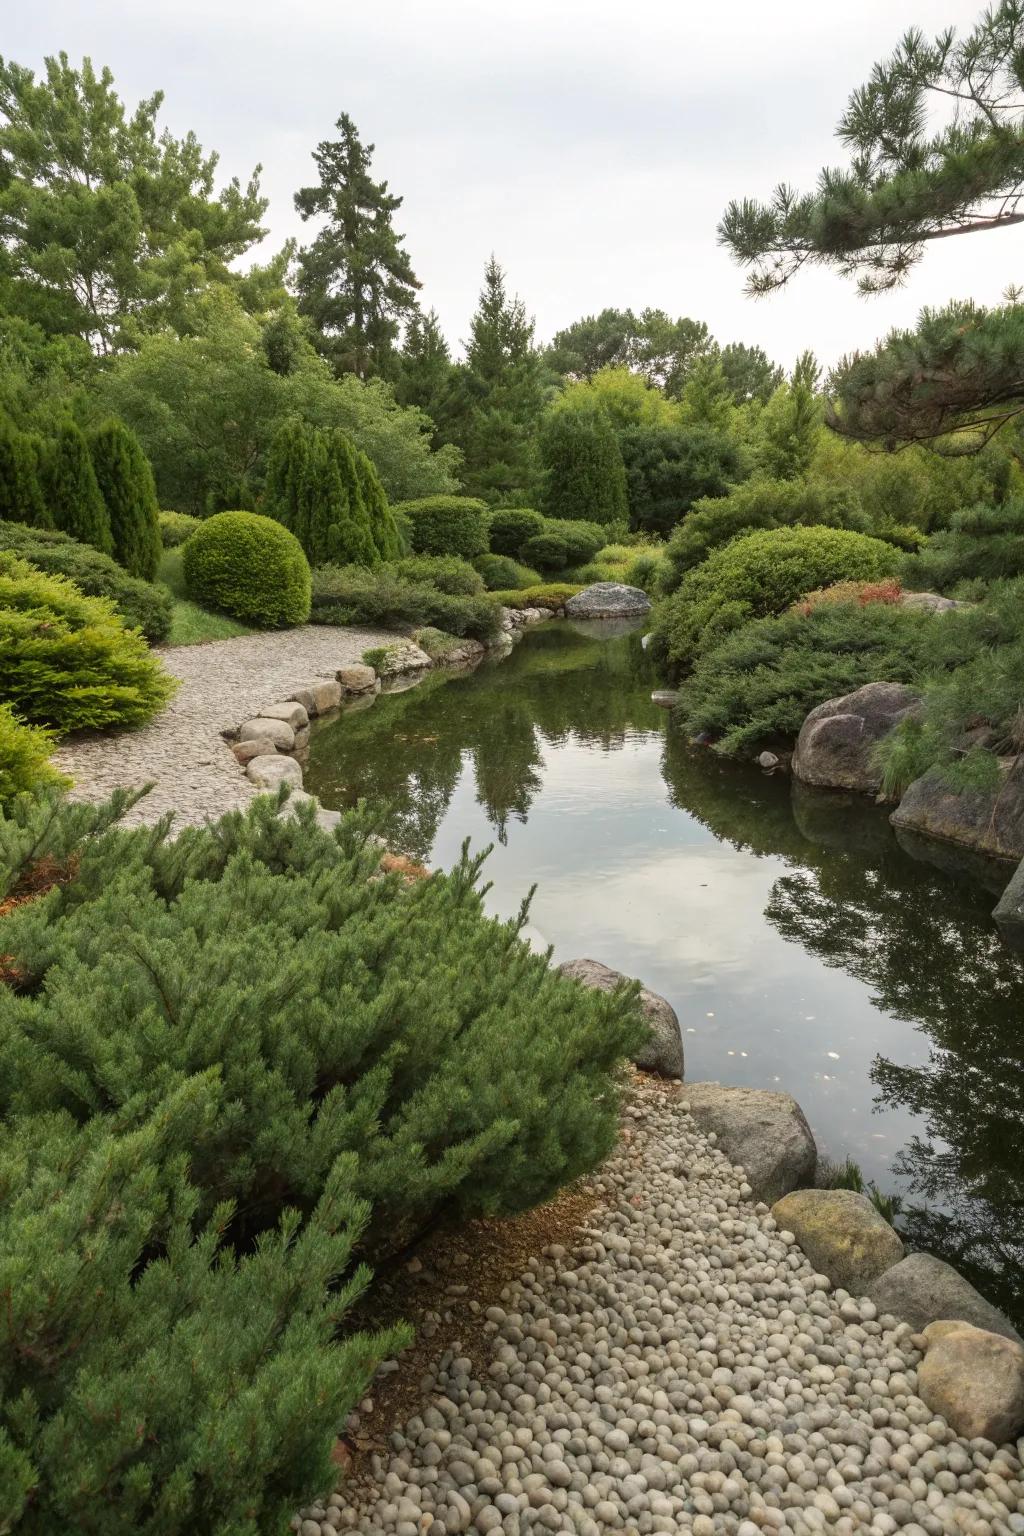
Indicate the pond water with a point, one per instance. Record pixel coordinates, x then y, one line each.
801 946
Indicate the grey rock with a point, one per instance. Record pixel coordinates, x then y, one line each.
277 731
836 748
256 746
930 602
663 1053
269 772
975 1379
767 760
291 712
842 1234
763 1129
665 698
607 600
319 696
357 678
990 821
921 1289
402 657
1009 910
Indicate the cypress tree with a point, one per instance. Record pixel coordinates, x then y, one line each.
21 494
286 478
383 528
74 496
584 476
350 539
126 484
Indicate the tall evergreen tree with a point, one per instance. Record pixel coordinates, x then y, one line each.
355 281
126 484
502 385
383 528
284 488
584 476
790 423
707 399
21 494
72 491
349 538
427 377
749 372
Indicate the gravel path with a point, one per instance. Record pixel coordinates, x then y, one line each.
222 684
682 1370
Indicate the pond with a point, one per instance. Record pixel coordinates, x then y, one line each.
801 946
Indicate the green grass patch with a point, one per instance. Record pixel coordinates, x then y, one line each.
191 624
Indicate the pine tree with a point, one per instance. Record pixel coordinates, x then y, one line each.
21 494
72 492
126 484
427 377
355 281
383 528
501 393
707 400
791 422
584 476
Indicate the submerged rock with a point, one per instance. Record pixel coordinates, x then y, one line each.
665 698
975 1379
762 1129
607 600
921 1289
842 1234
837 744
664 1052
988 820
1009 910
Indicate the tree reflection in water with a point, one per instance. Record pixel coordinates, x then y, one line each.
920 939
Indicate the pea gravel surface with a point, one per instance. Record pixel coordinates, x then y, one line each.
681 1369
183 753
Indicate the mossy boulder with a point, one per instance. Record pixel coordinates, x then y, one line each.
842 1234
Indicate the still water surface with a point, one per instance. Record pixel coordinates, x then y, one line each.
800 945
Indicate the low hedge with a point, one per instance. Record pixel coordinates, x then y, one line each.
140 604
352 594
250 567
24 758
510 527
500 571
552 594
446 573
67 661
446 525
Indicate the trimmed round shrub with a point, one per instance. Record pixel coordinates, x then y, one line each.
447 525
499 573
140 604
446 573
250 567
67 661
510 527
757 575
176 527
24 758
547 551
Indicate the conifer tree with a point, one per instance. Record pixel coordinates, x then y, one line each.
126 484
383 528
707 400
355 281
21 494
501 392
72 491
790 423
283 490
348 537
427 377
584 476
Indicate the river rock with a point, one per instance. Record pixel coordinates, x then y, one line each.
607 600
837 741
357 678
1009 910
663 1053
842 1234
257 746
291 712
762 1129
402 657
975 1379
277 731
989 820
921 1289
269 772
319 697
767 760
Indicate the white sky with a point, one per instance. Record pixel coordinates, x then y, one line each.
592 145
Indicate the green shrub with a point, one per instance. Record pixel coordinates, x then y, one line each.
982 545
320 487
582 540
353 595
250 567
754 576
67 661
384 531
645 570
72 491
547 551
584 476
510 527
758 684
21 492
447 525
553 595
500 571
176 527
24 758
126 485
140 604
446 573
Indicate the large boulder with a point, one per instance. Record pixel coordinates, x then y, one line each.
357 677
988 820
842 1234
1009 910
974 1379
608 600
319 696
763 1130
269 772
265 727
929 602
837 741
663 1053
290 711
400 659
921 1289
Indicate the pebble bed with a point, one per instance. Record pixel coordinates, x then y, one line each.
183 753
682 1370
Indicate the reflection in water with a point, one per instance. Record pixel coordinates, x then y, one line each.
800 944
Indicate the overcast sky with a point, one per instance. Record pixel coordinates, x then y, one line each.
592 145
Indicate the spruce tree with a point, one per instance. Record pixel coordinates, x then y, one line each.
126 484
584 476
427 377
72 492
21 494
355 281
501 391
